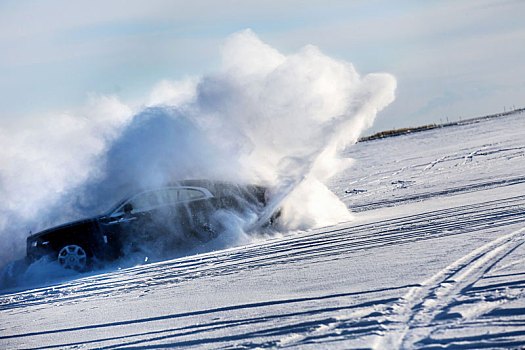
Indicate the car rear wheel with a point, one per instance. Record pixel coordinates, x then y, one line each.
73 257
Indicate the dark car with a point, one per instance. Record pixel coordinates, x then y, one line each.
169 217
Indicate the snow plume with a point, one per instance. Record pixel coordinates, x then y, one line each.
264 117
286 118
43 158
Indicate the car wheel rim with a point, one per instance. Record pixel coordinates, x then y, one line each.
72 257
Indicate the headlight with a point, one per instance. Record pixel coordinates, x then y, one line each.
38 243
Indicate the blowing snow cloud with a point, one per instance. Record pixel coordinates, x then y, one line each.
264 117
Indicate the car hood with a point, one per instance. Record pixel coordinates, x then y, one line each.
64 226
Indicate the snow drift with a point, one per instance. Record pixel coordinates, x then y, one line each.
264 117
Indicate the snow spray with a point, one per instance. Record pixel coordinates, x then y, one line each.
263 117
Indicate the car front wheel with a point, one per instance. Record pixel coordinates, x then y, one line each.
73 257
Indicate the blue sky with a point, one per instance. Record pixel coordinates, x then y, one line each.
452 59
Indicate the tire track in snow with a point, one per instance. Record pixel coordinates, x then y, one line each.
320 324
415 314
449 191
330 243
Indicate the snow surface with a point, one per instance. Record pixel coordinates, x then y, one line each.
433 259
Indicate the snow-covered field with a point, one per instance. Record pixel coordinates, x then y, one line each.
433 259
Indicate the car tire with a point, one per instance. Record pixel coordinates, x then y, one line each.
74 257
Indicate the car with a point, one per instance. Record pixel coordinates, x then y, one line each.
165 218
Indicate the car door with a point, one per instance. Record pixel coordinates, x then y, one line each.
195 211
133 222
162 218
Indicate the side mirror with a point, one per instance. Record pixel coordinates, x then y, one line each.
128 207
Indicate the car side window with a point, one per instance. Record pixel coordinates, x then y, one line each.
145 200
190 194
168 196
149 200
